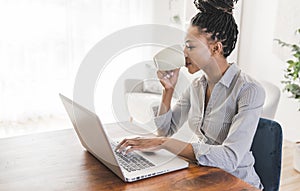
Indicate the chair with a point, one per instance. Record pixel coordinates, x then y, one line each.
272 99
266 148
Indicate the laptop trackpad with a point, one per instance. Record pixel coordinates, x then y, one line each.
158 157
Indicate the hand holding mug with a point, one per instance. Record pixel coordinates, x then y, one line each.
168 78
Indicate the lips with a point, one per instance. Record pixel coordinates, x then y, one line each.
187 63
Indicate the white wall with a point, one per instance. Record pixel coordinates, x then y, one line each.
262 22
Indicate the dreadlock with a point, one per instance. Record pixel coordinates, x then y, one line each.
215 18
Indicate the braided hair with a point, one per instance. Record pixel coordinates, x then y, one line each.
215 18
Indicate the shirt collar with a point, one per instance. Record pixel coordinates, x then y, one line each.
229 75
226 78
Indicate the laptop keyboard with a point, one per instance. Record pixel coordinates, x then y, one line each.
132 161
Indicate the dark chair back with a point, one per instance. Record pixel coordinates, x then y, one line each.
266 148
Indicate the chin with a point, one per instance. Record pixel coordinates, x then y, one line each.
192 70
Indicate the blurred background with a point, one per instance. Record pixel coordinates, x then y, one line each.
42 44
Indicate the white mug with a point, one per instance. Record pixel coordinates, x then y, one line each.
169 58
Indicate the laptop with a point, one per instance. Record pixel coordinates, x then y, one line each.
129 167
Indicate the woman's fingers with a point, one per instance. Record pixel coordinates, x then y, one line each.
133 148
123 146
120 144
176 71
160 74
142 144
168 78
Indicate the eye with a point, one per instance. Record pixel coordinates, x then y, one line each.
188 46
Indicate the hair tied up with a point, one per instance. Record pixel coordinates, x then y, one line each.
215 6
215 18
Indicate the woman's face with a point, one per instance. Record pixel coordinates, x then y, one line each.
197 50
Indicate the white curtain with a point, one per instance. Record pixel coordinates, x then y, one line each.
42 44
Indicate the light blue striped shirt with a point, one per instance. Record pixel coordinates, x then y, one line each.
226 128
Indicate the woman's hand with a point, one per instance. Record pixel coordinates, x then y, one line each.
140 144
168 78
176 147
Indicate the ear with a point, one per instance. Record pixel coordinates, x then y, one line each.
217 48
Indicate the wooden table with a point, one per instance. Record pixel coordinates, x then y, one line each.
57 161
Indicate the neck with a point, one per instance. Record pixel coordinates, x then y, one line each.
215 70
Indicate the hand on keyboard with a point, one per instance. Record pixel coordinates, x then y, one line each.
140 144
132 161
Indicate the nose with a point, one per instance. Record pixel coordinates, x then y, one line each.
185 51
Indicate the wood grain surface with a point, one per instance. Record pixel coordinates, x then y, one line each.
57 161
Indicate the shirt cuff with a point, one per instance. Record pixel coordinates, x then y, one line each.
163 121
200 149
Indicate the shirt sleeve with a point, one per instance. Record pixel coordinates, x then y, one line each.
240 136
168 123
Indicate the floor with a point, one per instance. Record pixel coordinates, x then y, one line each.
290 178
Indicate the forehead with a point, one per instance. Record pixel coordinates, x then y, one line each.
193 35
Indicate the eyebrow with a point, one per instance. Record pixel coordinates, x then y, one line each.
187 41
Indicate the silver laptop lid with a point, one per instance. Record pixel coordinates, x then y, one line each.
91 134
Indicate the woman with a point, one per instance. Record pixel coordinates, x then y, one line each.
224 105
